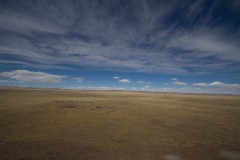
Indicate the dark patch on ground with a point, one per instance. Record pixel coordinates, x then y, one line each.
67 107
73 102
108 109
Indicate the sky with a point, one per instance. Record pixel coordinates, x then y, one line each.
189 46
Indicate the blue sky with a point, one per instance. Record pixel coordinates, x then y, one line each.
143 45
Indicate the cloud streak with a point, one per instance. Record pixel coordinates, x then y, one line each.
174 79
166 37
78 79
216 84
96 88
140 82
23 76
145 88
125 81
4 81
180 83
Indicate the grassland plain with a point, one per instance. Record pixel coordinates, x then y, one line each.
68 124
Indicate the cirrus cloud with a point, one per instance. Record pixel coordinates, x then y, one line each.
96 39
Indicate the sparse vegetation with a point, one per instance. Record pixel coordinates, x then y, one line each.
67 124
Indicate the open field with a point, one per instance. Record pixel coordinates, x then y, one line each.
65 124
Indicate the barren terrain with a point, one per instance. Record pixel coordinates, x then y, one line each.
120 125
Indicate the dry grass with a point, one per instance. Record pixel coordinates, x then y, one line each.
64 124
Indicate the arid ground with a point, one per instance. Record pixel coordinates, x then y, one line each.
117 125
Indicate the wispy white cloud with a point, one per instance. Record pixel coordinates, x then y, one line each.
51 35
219 90
167 90
145 88
180 83
134 88
5 81
216 84
207 44
125 81
33 77
79 79
96 88
204 90
140 82
219 87
174 79
184 90
116 77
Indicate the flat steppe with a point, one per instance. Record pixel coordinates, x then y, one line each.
117 125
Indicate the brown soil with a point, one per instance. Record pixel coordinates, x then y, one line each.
65 124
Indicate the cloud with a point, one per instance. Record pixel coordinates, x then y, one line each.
173 79
49 35
219 87
78 79
180 83
140 82
215 84
145 88
204 90
215 90
116 77
4 81
207 44
167 90
33 77
125 81
183 90
95 88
